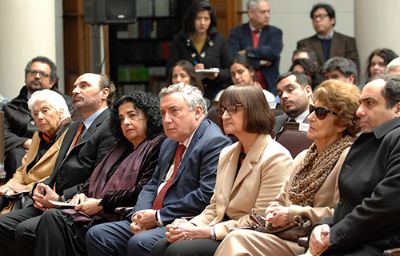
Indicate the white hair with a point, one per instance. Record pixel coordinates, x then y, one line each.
191 94
393 64
53 98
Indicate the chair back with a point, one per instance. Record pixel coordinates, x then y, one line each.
293 139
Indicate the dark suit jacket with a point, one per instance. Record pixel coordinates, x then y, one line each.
341 46
270 47
281 120
194 182
369 186
72 171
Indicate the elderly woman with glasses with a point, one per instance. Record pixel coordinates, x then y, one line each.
51 115
311 191
249 176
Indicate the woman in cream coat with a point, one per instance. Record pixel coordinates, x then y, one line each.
312 188
250 175
51 115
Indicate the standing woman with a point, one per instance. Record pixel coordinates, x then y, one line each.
199 43
249 176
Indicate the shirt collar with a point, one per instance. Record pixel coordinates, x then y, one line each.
328 37
88 121
300 118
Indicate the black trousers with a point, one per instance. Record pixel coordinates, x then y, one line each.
13 160
362 250
17 231
58 234
195 247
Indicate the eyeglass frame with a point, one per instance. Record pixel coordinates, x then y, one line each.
321 16
36 72
317 111
230 109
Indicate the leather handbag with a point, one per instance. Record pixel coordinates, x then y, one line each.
300 226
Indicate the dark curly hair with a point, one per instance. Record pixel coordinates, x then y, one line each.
150 106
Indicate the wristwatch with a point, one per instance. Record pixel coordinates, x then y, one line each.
212 233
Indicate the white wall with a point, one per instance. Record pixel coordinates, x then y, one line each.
376 24
28 29
293 17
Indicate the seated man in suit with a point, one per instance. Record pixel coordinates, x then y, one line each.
340 68
328 43
295 93
260 42
365 221
180 186
40 73
84 146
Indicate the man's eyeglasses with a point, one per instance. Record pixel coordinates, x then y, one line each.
320 16
231 109
321 112
36 72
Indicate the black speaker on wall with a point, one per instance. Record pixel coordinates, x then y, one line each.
110 11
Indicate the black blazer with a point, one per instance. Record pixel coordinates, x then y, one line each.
71 172
215 54
369 186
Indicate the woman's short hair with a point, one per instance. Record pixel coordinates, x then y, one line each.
189 69
342 98
51 97
146 102
191 14
258 116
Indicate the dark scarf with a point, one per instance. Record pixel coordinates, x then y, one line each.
104 179
126 174
314 170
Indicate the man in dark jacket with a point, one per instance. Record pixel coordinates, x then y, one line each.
328 43
40 73
84 146
260 42
365 221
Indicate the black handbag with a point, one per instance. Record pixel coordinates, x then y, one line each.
300 226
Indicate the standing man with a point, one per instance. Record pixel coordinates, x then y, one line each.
40 73
84 146
365 221
328 43
260 42
295 93
182 183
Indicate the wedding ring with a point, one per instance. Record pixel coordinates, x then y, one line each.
185 236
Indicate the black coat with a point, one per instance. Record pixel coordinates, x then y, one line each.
215 54
369 186
72 172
